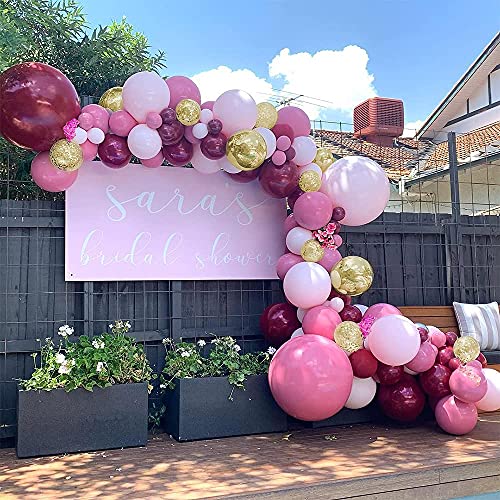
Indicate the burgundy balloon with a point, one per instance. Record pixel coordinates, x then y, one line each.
283 129
346 298
214 146
389 375
245 176
278 322
445 355
403 401
279 181
36 101
214 126
168 115
179 154
424 334
338 214
364 363
290 154
482 359
435 381
263 318
451 338
114 151
338 227
171 133
351 313
294 197
454 363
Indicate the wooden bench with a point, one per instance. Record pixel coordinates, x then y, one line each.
443 317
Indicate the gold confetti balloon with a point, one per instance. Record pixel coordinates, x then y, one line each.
312 251
309 181
112 99
267 116
324 158
188 112
67 156
348 336
246 150
352 276
466 349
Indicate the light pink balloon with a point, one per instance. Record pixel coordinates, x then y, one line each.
296 118
200 131
143 93
455 416
286 262
49 177
321 320
95 135
337 239
154 162
362 393
468 384
206 115
227 166
425 358
89 150
307 284
330 258
121 123
202 164
290 223
86 121
283 142
188 134
279 158
153 120
382 309
144 142
99 114
181 88
313 210
310 377
296 237
337 304
270 140
236 110
208 105
360 186
438 338
305 150
491 400
394 340
301 313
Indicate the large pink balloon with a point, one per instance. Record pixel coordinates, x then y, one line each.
143 93
296 118
144 142
286 262
121 123
313 210
321 320
330 258
394 340
307 284
425 358
491 400
181 87
310 377
468 384
381 309
236 110
455 416
358 185
201 163
49 177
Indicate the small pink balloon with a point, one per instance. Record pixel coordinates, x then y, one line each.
154 162
100 115
455 416
286 262
321 320
468 384
86 121
121 123
296 119
283 143
188 134
208 105
313 210
153 120
382 309
279 158
290 223
181 88
330 258
337 239
438 338
49 177
337 304
425 358
89 150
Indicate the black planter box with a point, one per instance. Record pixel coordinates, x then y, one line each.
199 408
55 422
370 413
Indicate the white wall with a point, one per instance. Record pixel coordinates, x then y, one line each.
479 98
495 85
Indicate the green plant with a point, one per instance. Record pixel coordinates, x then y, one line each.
105 360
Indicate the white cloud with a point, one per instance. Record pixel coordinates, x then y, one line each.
411 128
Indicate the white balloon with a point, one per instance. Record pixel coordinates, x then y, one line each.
206 115
96 135
361 307
337 304
307 285
362 393
143 142
301 313
296 238
305 150
311 166
270 139
80 136
365 343
491 400
297 333
200 131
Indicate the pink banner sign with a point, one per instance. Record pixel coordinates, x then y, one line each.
169 223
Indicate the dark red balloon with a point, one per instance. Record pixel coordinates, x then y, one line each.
351 313
338 214
403 401
245 176
278 322
283 129
451 338
279 181
433 402
168 115
171 133
214 126
364 363
424 334
294 197
445 355
435 381
454 363
214 146
389 375
482 359
346 298
179 154
114 151
36 101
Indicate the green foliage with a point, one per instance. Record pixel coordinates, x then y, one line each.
105 360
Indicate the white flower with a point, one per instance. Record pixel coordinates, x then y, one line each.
201 343
214 341
60 358
100 366
98 344
163 386
111 325
185 354
65 331
128 325
237 348
65 368
271 350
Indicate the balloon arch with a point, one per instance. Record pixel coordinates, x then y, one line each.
332 354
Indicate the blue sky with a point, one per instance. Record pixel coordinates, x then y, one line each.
409 50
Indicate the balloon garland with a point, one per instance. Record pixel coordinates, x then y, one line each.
353 353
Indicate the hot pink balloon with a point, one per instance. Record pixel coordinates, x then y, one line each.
181 88
201 163
438 338
455 416
290 223
321 320
89 150
99 114
330 258
296 118
313 210
310 377
286 262
49 177
121 123
468 384
381 309
425 358
237 111
307 284
154 162
144 142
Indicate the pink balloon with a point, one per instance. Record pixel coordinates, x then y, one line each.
321 320
337 239
153 120
425 358
279 158
188 134
208 105
290 223
286 262
121 123
310 377
283 143
330 258
455 416
307 284
143 93
305 150
468 384
154 162
89 150
86 121
381 309
491 400
270 140
296 119
394 340
181 88
99 114
144 142
201 163
237 110
296 237
313 210
49 177
438 338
